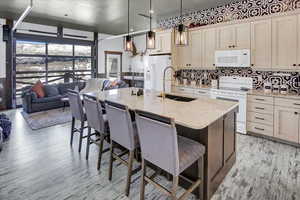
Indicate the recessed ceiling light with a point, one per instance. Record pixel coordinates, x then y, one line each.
151 11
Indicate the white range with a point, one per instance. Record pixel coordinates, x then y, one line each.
234 88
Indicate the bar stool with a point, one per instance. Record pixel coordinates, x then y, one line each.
77 114
162 147
122 132
97 121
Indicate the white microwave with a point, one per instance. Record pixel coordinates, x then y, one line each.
232 58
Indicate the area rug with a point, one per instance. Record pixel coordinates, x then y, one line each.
48 118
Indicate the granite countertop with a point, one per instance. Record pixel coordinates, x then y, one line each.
197 114
262 93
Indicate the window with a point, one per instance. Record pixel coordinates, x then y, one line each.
49 62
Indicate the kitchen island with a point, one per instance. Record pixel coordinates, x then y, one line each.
211 122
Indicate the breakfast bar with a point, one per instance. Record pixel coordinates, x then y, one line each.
208 121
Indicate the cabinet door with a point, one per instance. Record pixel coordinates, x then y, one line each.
208 48
166 42
225 37
261 44
183 56
284 42
242 36
195 45
286 123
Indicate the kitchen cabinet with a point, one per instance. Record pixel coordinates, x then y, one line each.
163 42
261 44
195 48
285 48
183 56
233 37
286 123
208 48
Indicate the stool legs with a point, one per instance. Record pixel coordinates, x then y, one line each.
100 151
201 176
111 160
81 136
88 142
72 130
142 190
174 187
129 173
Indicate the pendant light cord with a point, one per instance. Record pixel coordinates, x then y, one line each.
128 16
150 15
181 21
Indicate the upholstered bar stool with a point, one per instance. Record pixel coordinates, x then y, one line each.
162 147
97 121
122 132
77 114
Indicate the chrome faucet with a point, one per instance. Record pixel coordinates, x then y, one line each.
163 94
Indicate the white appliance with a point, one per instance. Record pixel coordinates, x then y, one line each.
154 72
233 58
232 88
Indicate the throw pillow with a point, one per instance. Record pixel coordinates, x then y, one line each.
51 90
38 88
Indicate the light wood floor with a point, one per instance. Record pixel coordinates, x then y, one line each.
37 165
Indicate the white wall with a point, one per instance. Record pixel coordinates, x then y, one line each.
2 52
136 63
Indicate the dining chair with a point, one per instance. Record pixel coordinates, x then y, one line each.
122 132
98 122
77 114
162 147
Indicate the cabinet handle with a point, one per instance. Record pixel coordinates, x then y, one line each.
201 92
214 64
296 104
259 118
261 129
252 65
233 46
259 108
229 46
296 113
294 65
299 65
259 99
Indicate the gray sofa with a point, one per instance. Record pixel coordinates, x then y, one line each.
31 103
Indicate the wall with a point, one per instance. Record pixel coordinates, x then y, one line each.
2 52
234 11
129 62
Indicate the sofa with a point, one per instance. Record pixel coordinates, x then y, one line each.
53 95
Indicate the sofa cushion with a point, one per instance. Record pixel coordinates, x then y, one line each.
38 88
51 90
47 99
64 87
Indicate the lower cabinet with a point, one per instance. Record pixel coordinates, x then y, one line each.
286 123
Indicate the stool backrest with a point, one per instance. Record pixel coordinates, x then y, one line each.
120 124
76 105
158 140
94 113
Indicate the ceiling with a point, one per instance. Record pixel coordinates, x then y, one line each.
104 16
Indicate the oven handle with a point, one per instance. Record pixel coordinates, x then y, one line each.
227 99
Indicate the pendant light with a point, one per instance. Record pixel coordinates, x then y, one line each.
181 32
128 46
150 36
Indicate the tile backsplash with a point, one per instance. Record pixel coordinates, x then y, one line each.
292 79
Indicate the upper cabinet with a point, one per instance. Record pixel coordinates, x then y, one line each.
195 48
284 42
233 37
208 48
163 42
261 44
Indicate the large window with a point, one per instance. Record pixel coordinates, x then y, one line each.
49 62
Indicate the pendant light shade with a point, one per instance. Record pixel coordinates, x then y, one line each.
181 32
150 36
128 43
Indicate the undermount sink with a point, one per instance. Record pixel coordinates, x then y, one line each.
178 98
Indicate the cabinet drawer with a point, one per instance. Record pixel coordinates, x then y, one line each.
261 99
260 108
201 92
260 118
287 102
183 90
260 128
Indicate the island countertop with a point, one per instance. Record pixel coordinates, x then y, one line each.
197 114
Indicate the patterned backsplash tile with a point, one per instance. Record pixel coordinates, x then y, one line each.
292 79
234 11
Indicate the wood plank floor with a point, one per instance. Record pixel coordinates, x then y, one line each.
37 165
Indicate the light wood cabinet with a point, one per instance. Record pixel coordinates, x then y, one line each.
261 44
286 123
163 42
233 37
284 42
208 48
195 48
